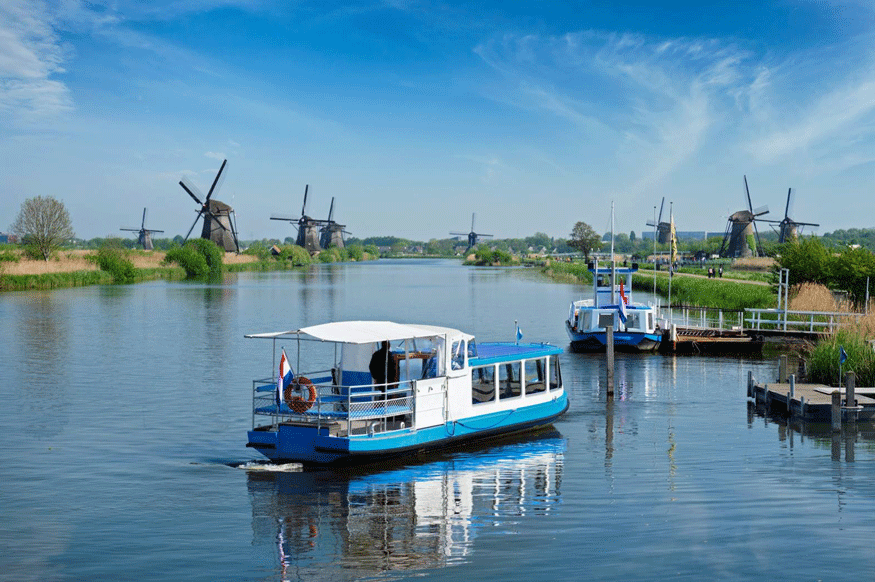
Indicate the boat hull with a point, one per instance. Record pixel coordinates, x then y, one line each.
307 444
623 341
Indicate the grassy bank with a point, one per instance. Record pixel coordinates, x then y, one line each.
721 293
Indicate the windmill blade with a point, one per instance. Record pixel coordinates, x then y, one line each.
483 235
285 218
761 210
132 229
216 181
331 210
660 210
304 207
191 189
192 226
787 207
151 230
803 223
143 225
459 233
747 192
650 223
473 216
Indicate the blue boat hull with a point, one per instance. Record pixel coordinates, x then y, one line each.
623 341
305 443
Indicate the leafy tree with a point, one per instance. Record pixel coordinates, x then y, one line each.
43 223
584 239
199 257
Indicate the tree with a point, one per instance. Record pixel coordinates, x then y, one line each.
585 239
43 223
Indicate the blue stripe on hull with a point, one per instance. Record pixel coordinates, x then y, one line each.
303 444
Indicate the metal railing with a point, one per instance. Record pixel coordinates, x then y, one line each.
703 317
361 410
810 321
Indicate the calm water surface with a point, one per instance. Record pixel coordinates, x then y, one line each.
125 409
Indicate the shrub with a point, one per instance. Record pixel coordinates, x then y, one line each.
201 258
355 252
297 256
113 258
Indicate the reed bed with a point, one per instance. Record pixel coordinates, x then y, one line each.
718 293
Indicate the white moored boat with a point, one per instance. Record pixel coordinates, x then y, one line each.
441 388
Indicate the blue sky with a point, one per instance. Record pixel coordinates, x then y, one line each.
414 114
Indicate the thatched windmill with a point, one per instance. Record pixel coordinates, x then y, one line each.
473 237
742 238
308 228
145 234
332 232
663 229
219 218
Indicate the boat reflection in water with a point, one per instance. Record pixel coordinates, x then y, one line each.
419 516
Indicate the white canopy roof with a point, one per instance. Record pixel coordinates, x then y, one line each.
363 332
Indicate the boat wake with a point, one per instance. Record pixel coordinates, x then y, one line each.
270 467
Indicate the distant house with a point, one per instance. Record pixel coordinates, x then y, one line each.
7 238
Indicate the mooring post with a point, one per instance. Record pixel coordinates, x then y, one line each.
850 384
792 385
750 382
836 411
609 333
782 369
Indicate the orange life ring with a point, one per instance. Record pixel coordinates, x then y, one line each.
297 403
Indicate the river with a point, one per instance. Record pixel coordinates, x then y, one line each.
125 410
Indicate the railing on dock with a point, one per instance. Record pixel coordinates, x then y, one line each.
703 317
805 321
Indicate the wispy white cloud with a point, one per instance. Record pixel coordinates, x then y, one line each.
650 102
216 156
31 53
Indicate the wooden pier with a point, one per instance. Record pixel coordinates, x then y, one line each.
695 340
813 402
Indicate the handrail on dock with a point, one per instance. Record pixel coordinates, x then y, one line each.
814 321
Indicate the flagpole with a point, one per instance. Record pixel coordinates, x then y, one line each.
516 332
671 245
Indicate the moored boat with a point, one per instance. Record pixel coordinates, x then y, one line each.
634 324
347 399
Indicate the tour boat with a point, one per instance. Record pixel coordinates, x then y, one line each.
634 324
441 387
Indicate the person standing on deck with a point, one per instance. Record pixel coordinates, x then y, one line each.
382 367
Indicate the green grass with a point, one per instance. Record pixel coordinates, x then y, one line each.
823 361
719 293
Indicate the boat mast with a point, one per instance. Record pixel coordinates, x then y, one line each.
613 263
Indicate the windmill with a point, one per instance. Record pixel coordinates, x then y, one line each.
663 229
145 236
308 228
472 236
332 233
788 229
219 218
740 227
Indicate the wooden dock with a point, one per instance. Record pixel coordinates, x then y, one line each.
811 402
695 340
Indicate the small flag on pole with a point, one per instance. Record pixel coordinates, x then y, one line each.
519 334
284 379
843 355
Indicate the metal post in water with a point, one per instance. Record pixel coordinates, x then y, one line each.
782 369
609 345
850 382
792 385
836 411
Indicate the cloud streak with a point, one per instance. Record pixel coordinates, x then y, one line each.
31 53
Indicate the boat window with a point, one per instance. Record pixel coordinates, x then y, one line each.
509 380
483 384
472 349
633 320
585 319
555 375
458 355
536 371
649 320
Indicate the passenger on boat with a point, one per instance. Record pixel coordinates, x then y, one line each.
382 367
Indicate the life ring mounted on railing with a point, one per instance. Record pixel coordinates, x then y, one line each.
297 403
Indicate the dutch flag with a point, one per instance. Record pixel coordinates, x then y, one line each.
284 379
622 306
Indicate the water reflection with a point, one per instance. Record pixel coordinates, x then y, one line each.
842 443
344 524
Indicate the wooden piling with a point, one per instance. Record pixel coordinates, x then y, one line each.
782 369
836 411
850 383
609 348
